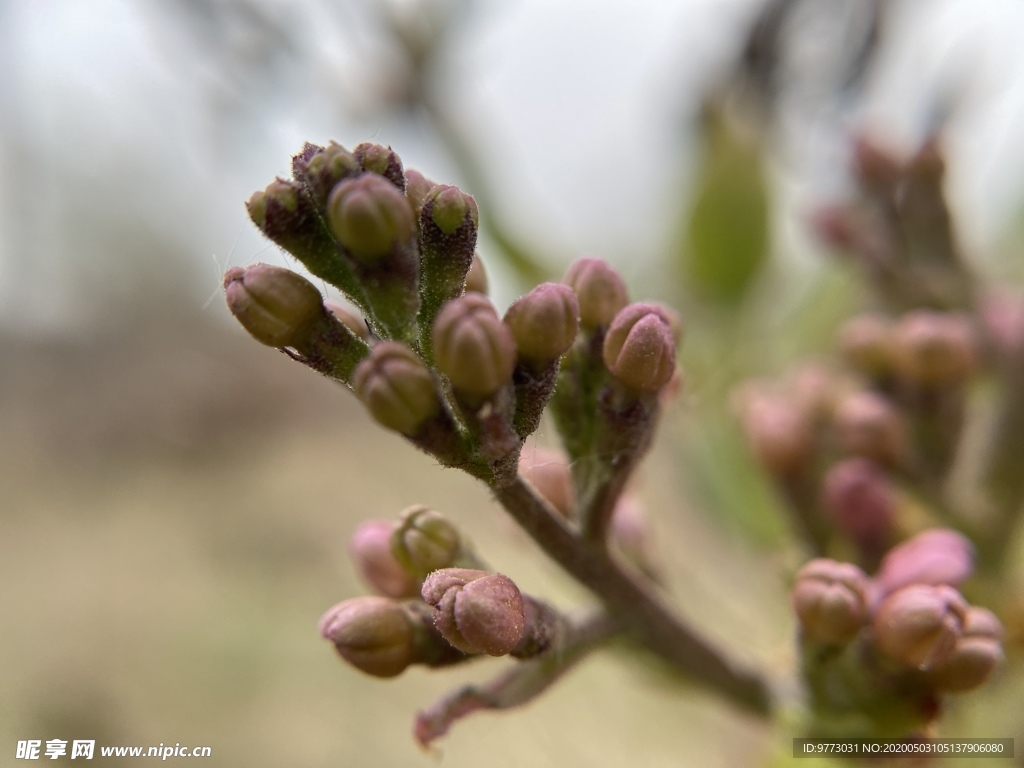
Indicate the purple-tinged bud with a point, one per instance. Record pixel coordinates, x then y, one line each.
978 652
373 634
934 348
860 501
396 387
382 161
450 208
476 611
352 321
868 425
472 347
425 541
548 471
476 278
830 600
332 164
275 305
544 322
600 290
416 188
778 432
280 194
370 217
934 556
639 348
868 344
370 549
920 625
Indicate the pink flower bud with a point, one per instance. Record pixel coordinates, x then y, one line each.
934 556
370 549
476 279
396 387
451 208
861 501
370 217
868 344
934 348
373 634
544 322
548 472
416 188
778 432
830 600
476 611
352 321
425 541
920 625
978 652
599 289
639 348
868 425
472 347
275 305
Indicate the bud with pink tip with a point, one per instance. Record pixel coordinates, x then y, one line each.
370 217
861 501
397 388
472 347
373 634
600 290
830 600
920 625
868 425
978 652
370 549
640 349
934 556
425 541
476 611
544 323
275 305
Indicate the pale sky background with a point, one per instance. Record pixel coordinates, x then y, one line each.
107 113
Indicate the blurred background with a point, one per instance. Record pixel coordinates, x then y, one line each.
176 500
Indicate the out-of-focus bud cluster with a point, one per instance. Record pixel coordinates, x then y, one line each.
906 632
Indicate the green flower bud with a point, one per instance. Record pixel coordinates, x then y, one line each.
275 305
370 217
279 194
920 625
476 279
934 348
396 387
976 656
868 425
639 348
472 347
830 600
370 549
476 611
600 290
373 634
450 208
544 322
425 541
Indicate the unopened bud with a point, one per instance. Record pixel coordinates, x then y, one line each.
476 279
476 611
639 348
920 625
600 290
396 387
275 305
868 425
934 348
372 634
370 216
472 347
778 432
934 556
370 549
861 501
830 600
544 322
416 188
279 194
381 160
425 541
978 652
451 207
352 321
868 345
548 472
